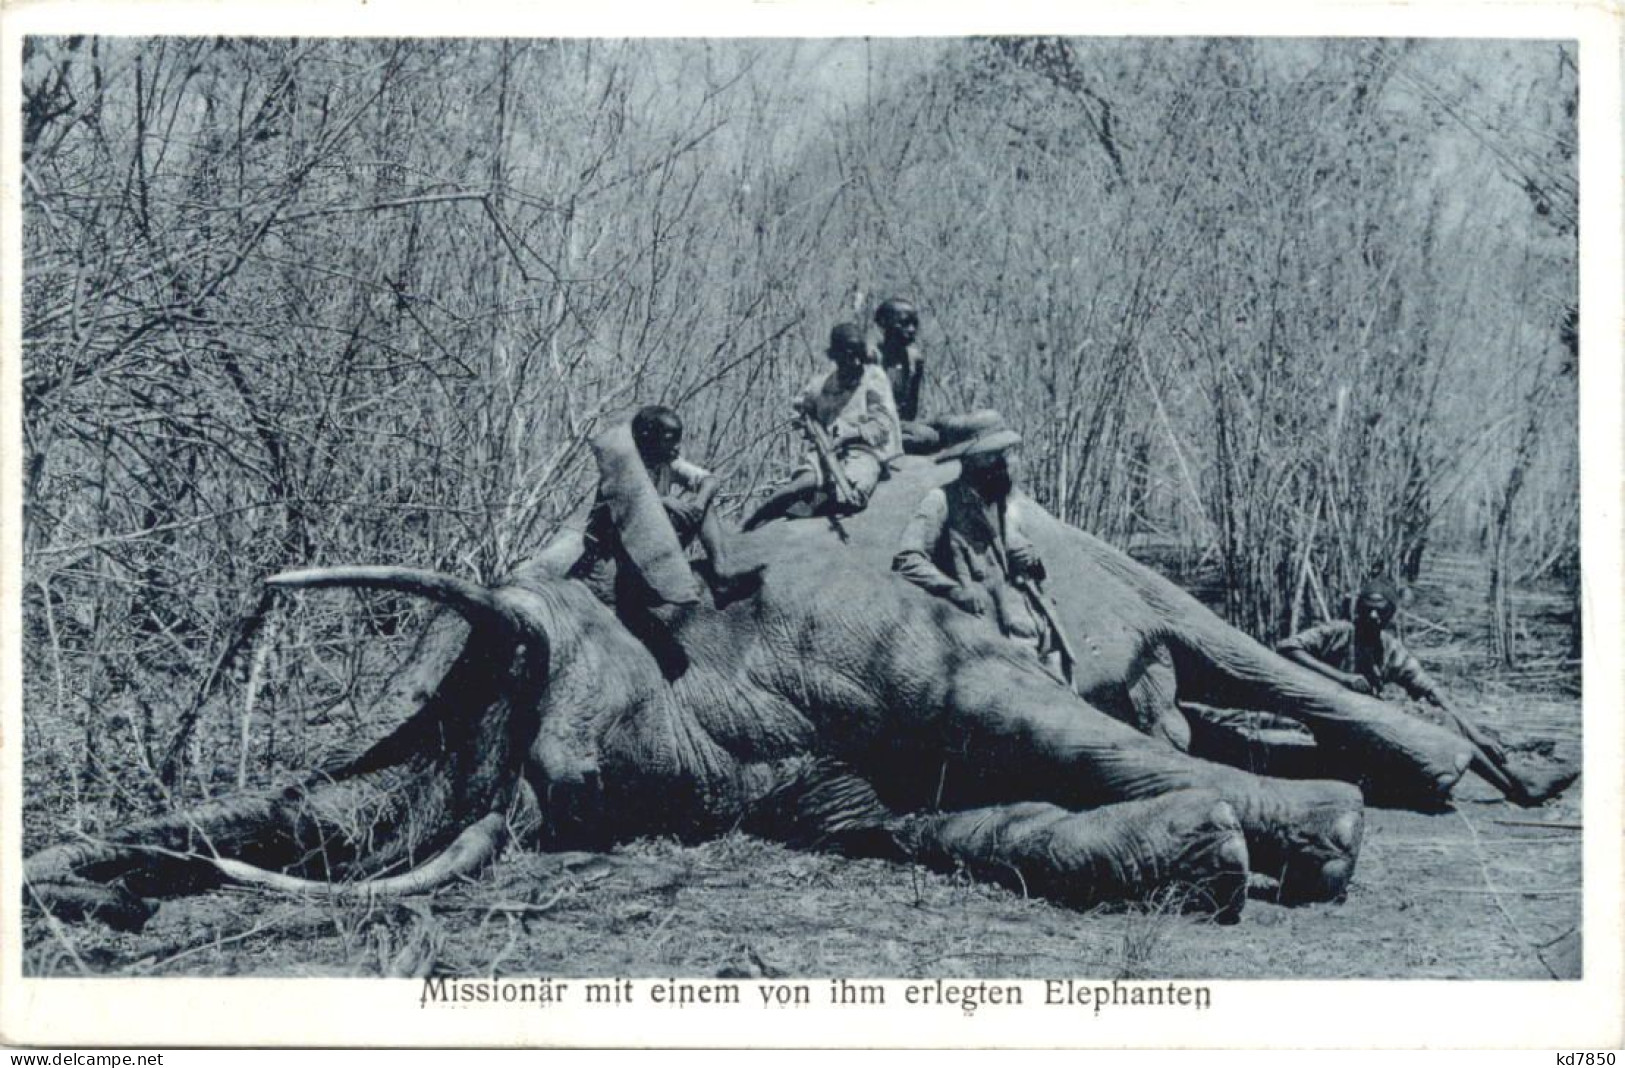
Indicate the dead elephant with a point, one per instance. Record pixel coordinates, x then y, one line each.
838 707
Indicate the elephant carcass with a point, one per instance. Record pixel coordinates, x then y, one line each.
838 706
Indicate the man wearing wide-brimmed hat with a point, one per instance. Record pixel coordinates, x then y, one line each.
964 544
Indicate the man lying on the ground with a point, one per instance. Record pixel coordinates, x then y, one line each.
1365 656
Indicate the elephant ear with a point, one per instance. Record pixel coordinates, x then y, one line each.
650 543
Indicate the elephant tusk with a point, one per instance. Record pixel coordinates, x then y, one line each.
474 602
471 850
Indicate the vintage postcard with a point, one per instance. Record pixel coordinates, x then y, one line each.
754 525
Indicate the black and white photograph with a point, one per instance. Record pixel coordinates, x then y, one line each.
977 519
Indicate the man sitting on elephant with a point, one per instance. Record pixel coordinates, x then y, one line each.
1364 655
964 543
851 407
904 364
686 490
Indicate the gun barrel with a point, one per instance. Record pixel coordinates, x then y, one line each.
834 475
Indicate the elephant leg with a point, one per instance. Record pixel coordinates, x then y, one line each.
822 803
1153 700
1398 760
1188 844
1258 742
1401 761
1020 737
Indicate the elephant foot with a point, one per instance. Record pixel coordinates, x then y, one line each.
1187 848
1307 839
1387 784
1210 873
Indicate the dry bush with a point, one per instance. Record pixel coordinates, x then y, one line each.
1295 307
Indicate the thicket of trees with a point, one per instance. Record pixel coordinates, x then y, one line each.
1305 307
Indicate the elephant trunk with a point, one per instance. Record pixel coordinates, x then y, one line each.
172 835
447 762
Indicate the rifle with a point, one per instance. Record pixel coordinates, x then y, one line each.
832 473
1030 588
1035 596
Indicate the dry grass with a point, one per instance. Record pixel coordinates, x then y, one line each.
1479 894
1432 899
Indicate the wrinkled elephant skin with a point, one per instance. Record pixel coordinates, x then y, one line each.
837 707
